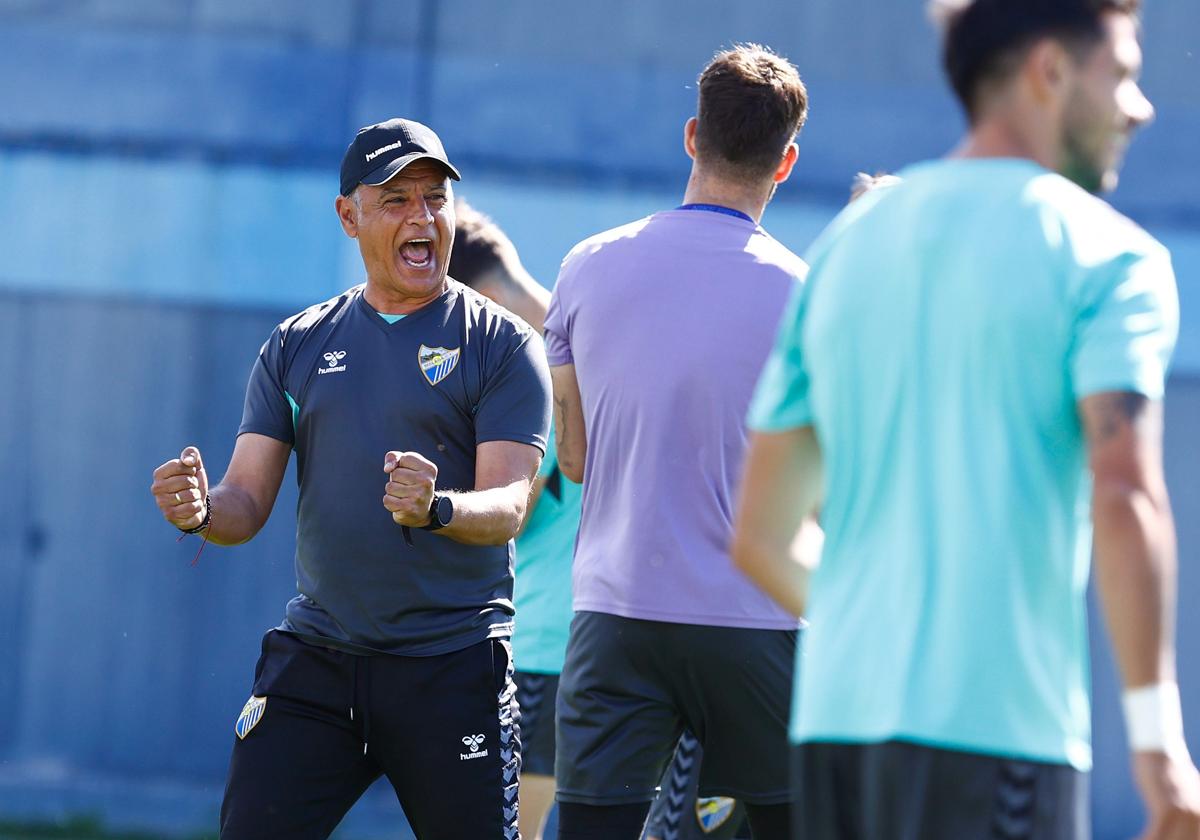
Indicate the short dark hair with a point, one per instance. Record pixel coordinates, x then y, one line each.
751 105
478 246
985 39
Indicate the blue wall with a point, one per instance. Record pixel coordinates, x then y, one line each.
590 91
167 172
125 665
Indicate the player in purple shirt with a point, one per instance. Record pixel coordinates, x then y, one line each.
656 335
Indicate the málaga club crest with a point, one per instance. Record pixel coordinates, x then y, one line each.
251 714
437 362
713 812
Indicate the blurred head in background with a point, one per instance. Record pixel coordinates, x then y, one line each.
485 259
751 105
1052 80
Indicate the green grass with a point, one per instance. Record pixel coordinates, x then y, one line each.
77 828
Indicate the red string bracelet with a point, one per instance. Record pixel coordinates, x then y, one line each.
203 526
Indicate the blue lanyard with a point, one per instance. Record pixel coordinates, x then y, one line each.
717 208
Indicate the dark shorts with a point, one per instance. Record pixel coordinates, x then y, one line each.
536 694
897 790
443 729
629 688
679 814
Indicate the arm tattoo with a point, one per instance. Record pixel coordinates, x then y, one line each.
1114 412
560 419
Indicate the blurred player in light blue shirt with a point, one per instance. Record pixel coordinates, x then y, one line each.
970 341
484 259
543 570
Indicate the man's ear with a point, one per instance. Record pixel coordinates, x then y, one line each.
1048 70
347 212
786 163
689 137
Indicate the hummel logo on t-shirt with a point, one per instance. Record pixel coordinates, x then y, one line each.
332 360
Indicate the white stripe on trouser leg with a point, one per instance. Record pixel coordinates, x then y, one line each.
510 747
677 787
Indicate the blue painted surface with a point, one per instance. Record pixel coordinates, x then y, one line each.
167 173
185 231
252 235
128 665
597 90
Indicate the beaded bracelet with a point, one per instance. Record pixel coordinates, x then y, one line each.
205 522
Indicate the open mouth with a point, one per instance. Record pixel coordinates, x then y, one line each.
417 252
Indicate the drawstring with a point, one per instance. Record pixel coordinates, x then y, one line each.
362 675
366 718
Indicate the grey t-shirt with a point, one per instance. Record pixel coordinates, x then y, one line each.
343 387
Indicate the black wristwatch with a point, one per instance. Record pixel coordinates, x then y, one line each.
441 511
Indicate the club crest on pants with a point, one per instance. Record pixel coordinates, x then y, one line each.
437 362
251 714
713 812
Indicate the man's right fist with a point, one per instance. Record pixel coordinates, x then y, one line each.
180 488
409 489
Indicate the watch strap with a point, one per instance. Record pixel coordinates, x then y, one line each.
435 519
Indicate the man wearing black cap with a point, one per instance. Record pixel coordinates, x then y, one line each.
405 607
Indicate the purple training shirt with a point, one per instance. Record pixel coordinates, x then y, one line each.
668 322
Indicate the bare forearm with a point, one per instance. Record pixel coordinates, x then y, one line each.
571 443
491 514
1136 570
239 505
776 537
235 515
535 494
486 517
774 570
1134 559
569 426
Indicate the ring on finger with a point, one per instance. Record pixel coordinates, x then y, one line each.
177 499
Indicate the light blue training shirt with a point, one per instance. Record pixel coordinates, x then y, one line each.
542 593
948 328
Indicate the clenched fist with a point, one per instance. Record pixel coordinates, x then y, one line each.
1170 787
180 488
409 490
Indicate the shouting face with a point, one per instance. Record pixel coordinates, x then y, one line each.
404 228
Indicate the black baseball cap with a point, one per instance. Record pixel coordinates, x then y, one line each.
380 151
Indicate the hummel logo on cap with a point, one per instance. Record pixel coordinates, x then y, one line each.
380 151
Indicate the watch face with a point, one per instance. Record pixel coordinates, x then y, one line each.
444 510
